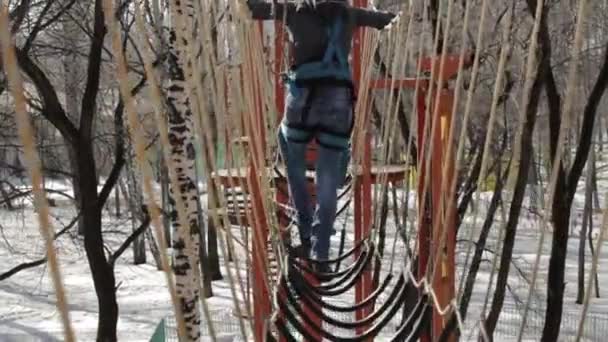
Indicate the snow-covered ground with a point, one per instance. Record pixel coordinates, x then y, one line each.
27 304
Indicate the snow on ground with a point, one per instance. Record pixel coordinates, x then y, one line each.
27 304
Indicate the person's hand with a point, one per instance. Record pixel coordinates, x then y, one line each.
393 21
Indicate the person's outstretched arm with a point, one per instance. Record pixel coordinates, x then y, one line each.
263 10
375 19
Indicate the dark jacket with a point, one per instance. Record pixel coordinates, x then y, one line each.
307 26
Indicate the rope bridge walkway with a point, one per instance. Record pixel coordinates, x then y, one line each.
401 287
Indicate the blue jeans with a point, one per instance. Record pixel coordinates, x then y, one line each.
324 113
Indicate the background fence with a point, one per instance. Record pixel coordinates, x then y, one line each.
596 326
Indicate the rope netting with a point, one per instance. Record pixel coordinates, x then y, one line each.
229 75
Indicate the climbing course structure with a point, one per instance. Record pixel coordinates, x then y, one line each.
365 175
387 278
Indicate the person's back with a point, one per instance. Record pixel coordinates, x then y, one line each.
319 104
307 23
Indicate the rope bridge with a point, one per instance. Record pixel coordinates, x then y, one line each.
240 95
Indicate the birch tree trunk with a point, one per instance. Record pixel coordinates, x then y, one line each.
181 137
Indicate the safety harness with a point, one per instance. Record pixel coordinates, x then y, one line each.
334 64
332 68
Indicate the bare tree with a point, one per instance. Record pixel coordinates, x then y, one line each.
78 125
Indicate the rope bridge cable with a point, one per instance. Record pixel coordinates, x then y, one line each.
205 133
331 275
412 328
460 148
396 298
255 132
417 89
347 283
339 278
412 325
441 75
467 111
367 334
366 302
363 244
566 122
528 82
398 293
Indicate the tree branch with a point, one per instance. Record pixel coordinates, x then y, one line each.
30 264
120 146
34 32
89 99
20 194
586 134
140 230
554 99
45 169
39 26
53 110
18 15
119 154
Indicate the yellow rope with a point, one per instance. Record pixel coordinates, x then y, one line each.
26 135
566 122
531 66
464 125
467 111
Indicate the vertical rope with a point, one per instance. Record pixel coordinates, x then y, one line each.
26 135
467 111
531 66
558 158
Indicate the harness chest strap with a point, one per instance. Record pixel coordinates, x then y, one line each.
334 64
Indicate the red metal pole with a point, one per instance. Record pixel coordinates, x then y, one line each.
434 191
363 188
261 293
424 218
279 100
430 233
443 281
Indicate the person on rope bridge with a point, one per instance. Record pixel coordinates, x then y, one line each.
319 104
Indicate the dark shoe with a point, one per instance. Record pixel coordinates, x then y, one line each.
301 251
322 271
